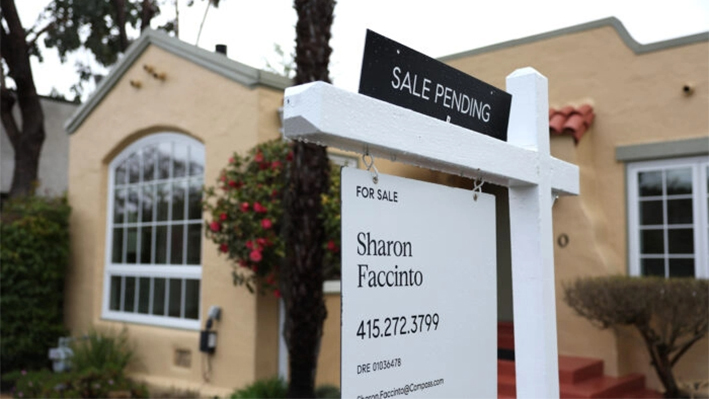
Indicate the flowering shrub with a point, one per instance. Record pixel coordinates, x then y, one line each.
246 215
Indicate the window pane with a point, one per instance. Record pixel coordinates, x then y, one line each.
178 201
652 242
681 241
119 205
164 151
681 267
194 243
143 294
161 245
132 245
653 267
175 297
650 212
147 201
650 183
679 181
159 296
115 293
117 256
195 199
146 245
163 201
192 299
149 160
133 166
132 205
119 177
179 159
129 298
679 211
196 161
177 243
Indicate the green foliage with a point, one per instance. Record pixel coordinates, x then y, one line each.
670 314
33 258
271 388
275 387
102 351
89 383
246 209
98 368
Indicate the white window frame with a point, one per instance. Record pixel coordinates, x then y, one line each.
157 271
700 216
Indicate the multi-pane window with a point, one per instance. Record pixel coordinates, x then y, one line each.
153 259
668 205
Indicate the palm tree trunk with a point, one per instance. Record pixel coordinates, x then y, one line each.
308 180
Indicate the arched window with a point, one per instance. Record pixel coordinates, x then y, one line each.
154 232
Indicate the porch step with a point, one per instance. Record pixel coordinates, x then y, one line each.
580 378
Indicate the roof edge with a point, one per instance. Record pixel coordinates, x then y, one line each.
614 22
218 63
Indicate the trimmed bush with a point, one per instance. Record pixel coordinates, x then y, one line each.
671 315
34 254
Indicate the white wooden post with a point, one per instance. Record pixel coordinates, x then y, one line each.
531 243
320 113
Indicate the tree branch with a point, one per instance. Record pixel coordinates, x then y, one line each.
31 42
685 347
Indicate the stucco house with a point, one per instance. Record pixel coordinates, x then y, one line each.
169 115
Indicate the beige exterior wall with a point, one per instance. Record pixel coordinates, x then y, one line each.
637 99
225 116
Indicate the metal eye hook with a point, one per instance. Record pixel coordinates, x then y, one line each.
370 165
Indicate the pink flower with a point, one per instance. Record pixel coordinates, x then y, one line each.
258 208
215 226
249 245
275 165
222 217
266 224
224 248
332 246
231 160
232 183
258 157
255 256
261 242
244 206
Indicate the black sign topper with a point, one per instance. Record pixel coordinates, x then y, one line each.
399 75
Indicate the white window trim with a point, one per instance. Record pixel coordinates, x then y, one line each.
162 271
699 211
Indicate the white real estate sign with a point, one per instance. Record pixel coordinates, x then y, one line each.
419 308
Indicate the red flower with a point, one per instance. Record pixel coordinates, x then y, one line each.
271 279
215 226
266 224
258 208
255 256
244 206
277 293
258 157
224 248
263 165
289 157
243 263
232 183
222 217
275 165
231 160
261 242
332 246
274 193
249 245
